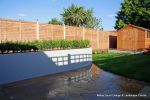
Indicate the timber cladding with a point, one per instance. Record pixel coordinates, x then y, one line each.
132 37
13 30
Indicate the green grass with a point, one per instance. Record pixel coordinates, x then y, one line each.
131 66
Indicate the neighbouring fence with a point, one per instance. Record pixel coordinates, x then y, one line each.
13 30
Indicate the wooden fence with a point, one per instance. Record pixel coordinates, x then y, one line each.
13 30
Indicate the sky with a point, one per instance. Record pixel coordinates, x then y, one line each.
44 10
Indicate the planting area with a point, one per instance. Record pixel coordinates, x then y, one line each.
12 47
131 66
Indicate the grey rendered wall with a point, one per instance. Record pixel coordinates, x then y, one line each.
20 66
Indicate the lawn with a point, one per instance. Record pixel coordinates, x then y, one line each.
131 66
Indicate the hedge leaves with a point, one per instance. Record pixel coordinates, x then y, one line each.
12 47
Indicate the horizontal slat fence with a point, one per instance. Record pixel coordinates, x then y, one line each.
13 30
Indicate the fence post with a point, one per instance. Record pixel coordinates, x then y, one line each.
97 39
52 32
20 36
64 31
108 40
83 33
37 30
69 59
102 37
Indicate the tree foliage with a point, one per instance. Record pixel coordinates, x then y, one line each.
135 12
55 21
79 16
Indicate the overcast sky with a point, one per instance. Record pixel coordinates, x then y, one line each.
44 10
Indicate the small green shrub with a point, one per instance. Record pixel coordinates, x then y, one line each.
55 44
7 47
64 44
75 44
2 48
37 43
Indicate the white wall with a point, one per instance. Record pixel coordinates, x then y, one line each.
20 66
61 57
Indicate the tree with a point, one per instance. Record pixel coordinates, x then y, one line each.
135 12
79 16
55 21
94 23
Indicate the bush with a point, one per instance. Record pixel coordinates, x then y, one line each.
64 44
2 48
7 47
75 44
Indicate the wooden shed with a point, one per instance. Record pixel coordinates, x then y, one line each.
132 37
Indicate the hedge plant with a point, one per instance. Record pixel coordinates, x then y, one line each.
12 47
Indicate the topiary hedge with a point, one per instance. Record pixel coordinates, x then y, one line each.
12 47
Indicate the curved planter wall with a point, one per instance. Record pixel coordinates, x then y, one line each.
20 66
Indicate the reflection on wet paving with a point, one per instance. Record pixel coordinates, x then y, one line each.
82 84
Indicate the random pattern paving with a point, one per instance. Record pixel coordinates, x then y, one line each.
89 83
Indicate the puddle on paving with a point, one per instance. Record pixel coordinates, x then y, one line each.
83 84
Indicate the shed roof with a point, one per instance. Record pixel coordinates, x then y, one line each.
138 27
142 28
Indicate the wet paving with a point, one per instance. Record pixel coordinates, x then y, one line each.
89 83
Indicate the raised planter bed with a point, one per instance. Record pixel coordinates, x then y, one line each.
20 66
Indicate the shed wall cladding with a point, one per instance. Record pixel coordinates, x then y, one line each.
13 30
131 38
141 39
147 39
119 39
